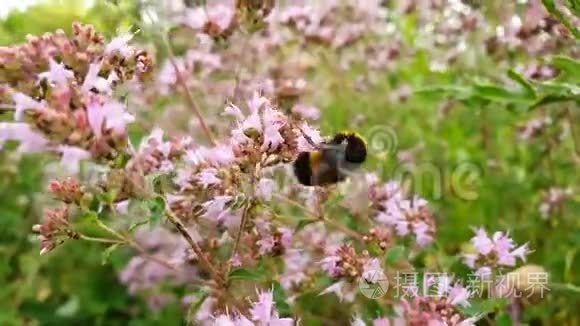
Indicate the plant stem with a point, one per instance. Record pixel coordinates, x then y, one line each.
101 240
565 287
202 258
249 204
239 234
575 133
326 221
127 240
187 92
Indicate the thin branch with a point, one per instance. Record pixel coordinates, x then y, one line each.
100 240
575 133
343 228
146 255
121 239
565 287
249 204
187 92
329 222
239 234
181 229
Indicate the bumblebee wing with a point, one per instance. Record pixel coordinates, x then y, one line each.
327 174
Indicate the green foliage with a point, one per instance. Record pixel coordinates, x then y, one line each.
50 15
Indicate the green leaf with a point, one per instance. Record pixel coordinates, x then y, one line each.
334 200
500 94
444 91
568 67
106 254
549 99
196 305
567 64
244 274
394 254
526 85
575 6
280 299
135 225
88 217
238 202
303 223
503 319
156 210
552 9
68 309
484 307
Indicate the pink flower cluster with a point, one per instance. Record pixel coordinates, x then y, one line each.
493 252
60 89
438 309
408 216
262 313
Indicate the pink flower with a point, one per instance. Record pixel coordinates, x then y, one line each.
216 209
372 270
458 295
272 138
265 189
233 111
307 131
357 322
481 242
285 237
252 122
219 155
342 290
57 74
71 157
420 229
483 272
381 322
93 80
236 260
208 177
110 115
306 111
496 251
223 320
29 140
219 14
256 102
273 117
265 244
329 264
238 137
264 313
295 262
119 45
22 103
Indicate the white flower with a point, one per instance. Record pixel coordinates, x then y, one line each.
57 74
93 80
29 140
265 189
22 103
71 157
119 44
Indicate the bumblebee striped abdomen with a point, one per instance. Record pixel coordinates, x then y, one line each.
332 162
303 169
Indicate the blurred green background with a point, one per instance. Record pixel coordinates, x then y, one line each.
73 287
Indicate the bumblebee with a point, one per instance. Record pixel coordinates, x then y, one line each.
332 161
